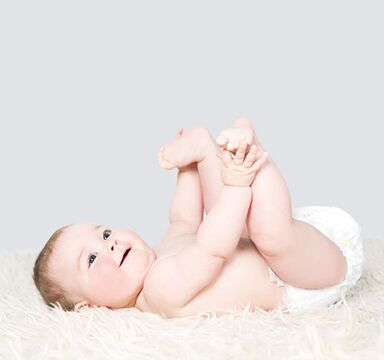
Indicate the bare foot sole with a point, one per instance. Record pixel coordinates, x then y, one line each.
241 130
185 150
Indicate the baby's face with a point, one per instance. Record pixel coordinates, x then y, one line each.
90 262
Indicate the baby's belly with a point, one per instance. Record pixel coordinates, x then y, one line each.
243 280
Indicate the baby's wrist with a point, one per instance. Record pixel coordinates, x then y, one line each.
232 178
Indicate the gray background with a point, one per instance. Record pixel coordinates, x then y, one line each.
90 91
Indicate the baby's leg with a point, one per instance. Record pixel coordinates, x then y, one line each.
289 246
197 146
295 250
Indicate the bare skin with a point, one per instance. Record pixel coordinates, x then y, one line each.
268 235
199 262
197 265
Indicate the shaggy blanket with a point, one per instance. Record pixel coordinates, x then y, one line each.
352 328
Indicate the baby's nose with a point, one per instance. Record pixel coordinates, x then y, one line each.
111 245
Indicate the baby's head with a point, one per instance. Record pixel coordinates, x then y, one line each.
91 265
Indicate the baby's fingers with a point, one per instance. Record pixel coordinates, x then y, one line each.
259 163
251 156
240 153
226 157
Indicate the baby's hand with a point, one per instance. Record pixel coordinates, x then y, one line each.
240 169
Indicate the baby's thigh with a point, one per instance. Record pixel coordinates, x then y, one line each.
255 276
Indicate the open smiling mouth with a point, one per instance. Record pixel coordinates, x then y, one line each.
124 256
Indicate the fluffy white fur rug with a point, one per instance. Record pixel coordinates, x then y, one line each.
352 328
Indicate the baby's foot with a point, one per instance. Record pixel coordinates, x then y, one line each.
185 150
242 130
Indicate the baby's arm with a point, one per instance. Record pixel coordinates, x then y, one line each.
199 263
220 232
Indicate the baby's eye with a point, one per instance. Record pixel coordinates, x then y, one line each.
106 234
91 259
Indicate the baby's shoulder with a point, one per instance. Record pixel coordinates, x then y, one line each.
183 269
157 286
169 246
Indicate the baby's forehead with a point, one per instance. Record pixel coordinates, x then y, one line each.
81 227
76 232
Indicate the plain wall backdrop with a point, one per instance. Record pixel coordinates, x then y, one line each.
89 92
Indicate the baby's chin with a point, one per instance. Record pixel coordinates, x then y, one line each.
139 261
126 303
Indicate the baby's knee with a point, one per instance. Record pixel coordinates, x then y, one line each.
200 130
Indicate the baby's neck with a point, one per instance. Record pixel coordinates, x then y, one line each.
139 301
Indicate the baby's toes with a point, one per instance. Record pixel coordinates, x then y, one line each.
165 164
233 145
222 139
235 142
248 139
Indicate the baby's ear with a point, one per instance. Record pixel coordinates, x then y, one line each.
86 304
81 304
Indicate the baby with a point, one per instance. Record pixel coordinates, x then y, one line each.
213 263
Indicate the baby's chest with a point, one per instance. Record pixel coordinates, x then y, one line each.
243 279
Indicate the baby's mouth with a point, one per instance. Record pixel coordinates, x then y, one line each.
124 256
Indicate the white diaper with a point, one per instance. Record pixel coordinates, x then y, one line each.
345 232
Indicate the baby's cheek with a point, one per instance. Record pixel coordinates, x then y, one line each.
105 277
